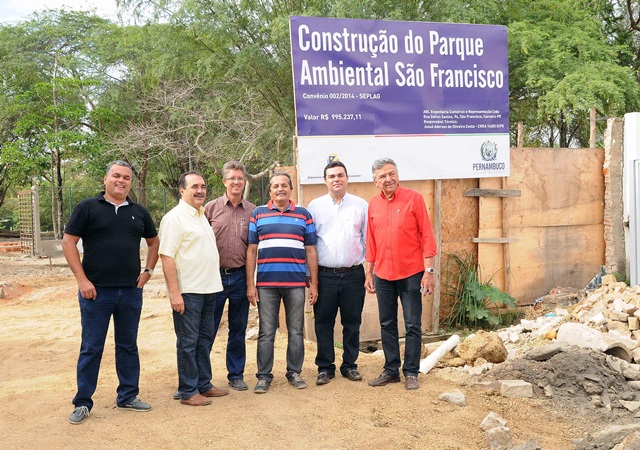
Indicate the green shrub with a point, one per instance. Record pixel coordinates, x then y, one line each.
472 299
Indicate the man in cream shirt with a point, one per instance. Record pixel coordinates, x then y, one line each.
191 267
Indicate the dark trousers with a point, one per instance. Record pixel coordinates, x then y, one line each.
345 292
194 339
234 289
125 305
408 289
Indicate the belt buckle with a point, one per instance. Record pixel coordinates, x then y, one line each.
227 271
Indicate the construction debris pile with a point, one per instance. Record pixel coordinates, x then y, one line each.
585 355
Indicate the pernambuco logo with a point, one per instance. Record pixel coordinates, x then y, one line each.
489 151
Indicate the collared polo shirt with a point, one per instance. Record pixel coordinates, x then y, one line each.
341 229
111 239
231 227
281 238
187 237
399 234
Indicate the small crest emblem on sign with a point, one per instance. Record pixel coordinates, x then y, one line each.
489 151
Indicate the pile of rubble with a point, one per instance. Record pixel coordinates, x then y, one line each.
585 352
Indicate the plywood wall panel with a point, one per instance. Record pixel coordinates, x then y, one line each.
559 187
548 257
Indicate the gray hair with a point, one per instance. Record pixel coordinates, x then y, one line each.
118 162
281 174
233 165
380 163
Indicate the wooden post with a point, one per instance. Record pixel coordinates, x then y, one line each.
520 136
592 128
437 207
505 247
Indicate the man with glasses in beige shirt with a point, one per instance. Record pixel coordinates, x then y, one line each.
229 217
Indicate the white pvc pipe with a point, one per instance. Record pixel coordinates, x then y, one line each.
430 361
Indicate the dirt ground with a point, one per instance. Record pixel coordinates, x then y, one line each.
39 346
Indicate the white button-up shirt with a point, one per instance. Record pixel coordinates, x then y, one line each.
341 229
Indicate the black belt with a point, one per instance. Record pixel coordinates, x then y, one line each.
339 269
230 271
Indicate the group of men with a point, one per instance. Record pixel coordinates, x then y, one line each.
229 249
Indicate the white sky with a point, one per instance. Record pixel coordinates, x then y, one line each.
12 11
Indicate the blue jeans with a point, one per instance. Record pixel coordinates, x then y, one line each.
194 339
269 310
408 289
234 289
344 291
125 304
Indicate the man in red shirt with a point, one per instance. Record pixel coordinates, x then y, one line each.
400 250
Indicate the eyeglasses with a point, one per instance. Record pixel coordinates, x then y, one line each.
235 179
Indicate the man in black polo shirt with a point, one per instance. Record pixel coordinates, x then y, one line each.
111 226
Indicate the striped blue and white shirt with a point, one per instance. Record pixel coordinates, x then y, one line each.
281 237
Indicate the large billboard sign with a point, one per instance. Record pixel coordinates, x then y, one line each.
432 96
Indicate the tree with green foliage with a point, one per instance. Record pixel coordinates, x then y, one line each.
52 79
560 65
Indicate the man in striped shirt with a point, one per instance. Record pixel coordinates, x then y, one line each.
282 238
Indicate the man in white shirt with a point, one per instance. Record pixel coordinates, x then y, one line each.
191 267
341 220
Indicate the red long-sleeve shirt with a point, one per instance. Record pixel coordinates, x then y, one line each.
399 234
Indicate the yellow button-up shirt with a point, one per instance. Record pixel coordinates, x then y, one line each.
187 237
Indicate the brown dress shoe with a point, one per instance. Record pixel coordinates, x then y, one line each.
196 400
411 382
384 379
216 392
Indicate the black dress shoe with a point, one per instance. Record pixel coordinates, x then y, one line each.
384 379
352 375
324 378
238 384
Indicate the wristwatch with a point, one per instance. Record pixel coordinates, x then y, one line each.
149 271
430 270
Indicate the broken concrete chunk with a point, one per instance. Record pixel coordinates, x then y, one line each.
531 444
632 406
614 433
631 373
516 389
618 315
591 388
499 438
456 397
631 442
490 386
543 352
527 325
636 355
492 420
